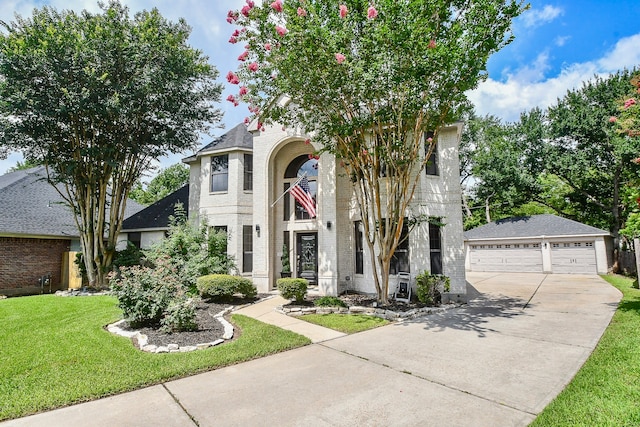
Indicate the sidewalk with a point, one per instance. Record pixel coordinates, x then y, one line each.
265 312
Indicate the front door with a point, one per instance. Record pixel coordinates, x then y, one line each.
307 256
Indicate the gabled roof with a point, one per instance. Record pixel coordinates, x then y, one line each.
157 215
533 226
237 138
31 207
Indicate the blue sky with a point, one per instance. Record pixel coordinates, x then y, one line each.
558 45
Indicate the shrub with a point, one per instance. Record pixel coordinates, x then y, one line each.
180 315
224 286
144 294
329 302
429 287
291 288
194 250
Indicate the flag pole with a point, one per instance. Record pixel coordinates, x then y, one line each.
289 189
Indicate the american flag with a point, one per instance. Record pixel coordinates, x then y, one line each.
301 193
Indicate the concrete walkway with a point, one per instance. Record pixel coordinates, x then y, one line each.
265 312
496 362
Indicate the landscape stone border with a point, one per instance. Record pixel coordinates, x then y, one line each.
372 311
143 340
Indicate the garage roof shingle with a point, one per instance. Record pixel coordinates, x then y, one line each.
532 226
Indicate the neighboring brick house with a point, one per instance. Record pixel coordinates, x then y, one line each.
236 182
38 235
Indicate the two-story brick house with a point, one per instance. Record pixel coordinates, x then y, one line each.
237 181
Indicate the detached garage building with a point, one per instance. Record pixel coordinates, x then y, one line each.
538 244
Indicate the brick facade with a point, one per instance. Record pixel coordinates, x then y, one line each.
24 261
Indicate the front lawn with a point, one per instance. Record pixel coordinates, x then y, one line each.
346 323
55 351
606 391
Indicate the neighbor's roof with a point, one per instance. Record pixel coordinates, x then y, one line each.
157 215
31 207
237 138
532 226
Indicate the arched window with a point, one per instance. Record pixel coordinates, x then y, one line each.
301 165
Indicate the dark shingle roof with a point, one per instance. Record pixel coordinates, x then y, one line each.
30 206
532 226
238 137
157 215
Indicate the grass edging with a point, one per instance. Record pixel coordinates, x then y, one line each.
56 352
345 323
606 390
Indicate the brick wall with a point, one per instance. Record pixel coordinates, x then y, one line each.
24 261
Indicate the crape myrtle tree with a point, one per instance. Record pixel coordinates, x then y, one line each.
372 82
96 97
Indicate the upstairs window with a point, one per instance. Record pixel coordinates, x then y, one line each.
220 173
432 162
248 172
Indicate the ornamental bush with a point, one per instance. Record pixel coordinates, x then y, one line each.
293 288
144 294
329 302
180 315
225 286
429 287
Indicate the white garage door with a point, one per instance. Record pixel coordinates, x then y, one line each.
525 258
573 258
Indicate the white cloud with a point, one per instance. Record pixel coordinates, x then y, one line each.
561 40
537 17
524 90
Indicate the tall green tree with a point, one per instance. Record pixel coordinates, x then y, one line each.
96 97
369 81
166 182
587 154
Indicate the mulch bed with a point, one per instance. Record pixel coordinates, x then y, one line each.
209 328
364 300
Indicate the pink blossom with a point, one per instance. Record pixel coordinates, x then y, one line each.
310 156
629 102
259 125
343 11
236 33
232 78
233 40
243 56
232 16
340 58
284 128
233 100
243 90
372 12
245 10
432 44
267 46
429 140
250 3
277 5
247 120
281 30
613 119
302 12
253 66
307 141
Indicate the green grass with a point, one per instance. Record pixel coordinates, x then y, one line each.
347 323
55 351
606 391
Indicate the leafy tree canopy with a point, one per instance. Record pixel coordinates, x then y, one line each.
368 81
96 97
166 182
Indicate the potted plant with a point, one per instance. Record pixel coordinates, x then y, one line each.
286 266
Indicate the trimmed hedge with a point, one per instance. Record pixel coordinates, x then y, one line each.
225 286
293 288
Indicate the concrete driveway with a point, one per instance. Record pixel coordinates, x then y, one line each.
496 362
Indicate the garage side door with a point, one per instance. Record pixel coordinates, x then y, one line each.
523 258
573 258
